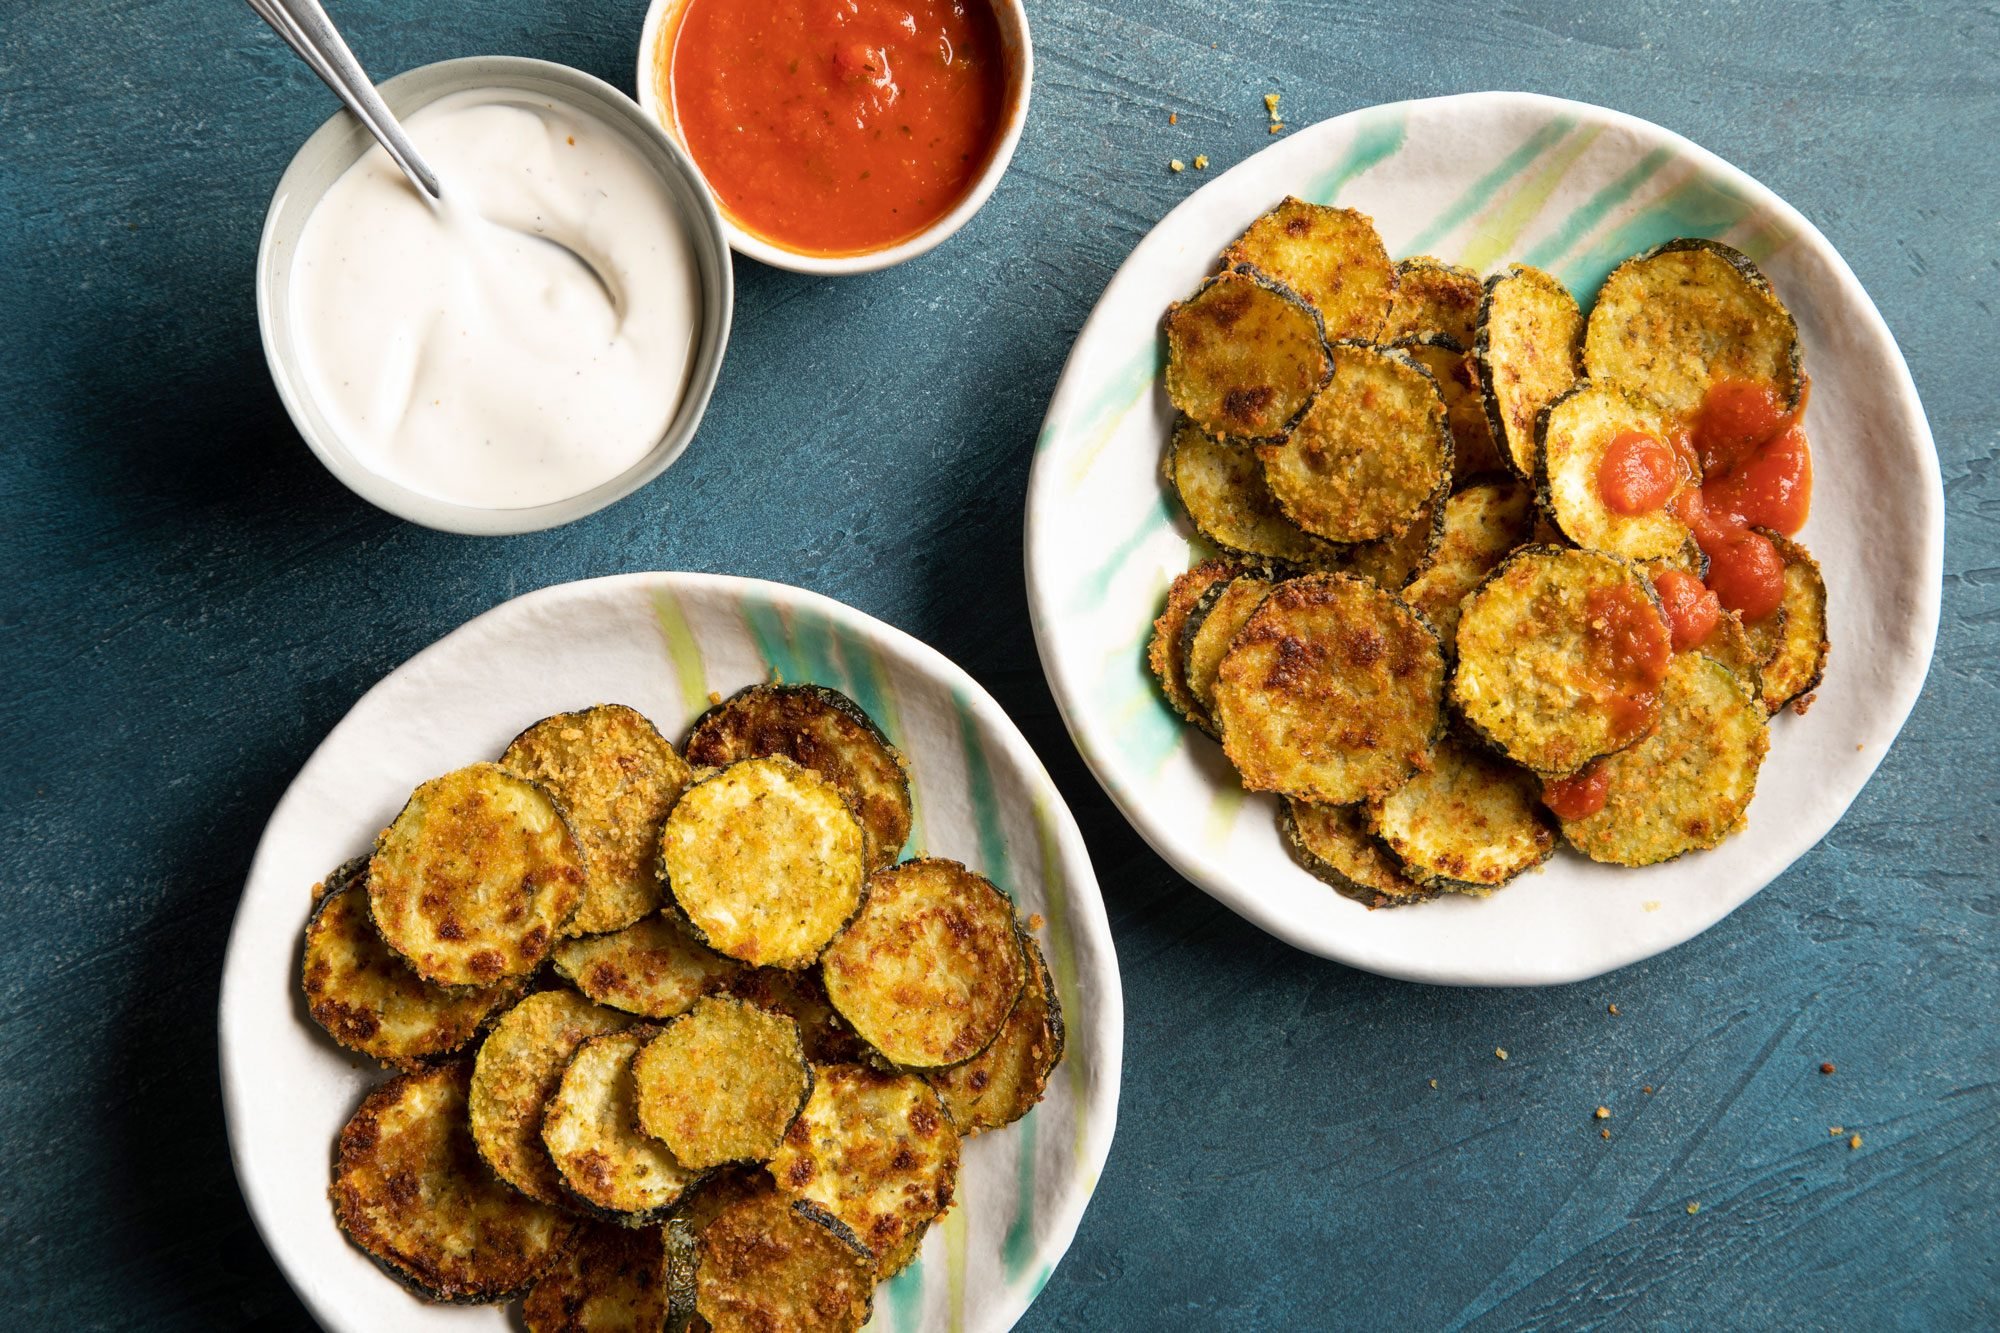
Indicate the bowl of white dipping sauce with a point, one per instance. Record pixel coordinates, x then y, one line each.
540 342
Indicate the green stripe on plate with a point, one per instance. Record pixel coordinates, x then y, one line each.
1481 191
683 653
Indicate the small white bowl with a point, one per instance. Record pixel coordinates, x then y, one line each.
341 141
1019 50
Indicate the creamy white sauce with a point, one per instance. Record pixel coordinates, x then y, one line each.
455 353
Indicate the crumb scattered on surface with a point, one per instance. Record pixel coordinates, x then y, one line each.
1434 1083
1836 1130
1500 1052
1694 1206
1271 105
1854 1142
1036 921
715 696
1201 162
1603 1133
1826 1067
1173 118
1805 703
1176 165
1650 907
1275 127
1603 1113
1612 1009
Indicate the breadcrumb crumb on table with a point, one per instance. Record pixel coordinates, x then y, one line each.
1826 1067
1176 165
1854 1142
1201 161
1694 1206
1836 1130
1603 1113
1603 1133
1500 1052
1271 105
1612 1009
1173 118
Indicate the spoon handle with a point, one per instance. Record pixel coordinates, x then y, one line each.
308 31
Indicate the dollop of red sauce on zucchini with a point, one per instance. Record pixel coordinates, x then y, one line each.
1637 473
1628 647
1756 471
1580 795
1693 610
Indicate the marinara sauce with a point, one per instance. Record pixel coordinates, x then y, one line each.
837 126
1756 472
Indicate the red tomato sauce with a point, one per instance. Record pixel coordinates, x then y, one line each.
1629 648
1756 471
1580 795
1693 609
838 126
1637 474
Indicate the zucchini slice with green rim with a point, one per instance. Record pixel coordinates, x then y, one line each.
765 861
1730 644
1687 315
613 1280
1332 257
519 1067
368 999
762 1266
652 968
875 1151
1797 643
1433 297
1244 357
615 777
1688 559
801 997
1457 375
1394 561
1686 787
409 1190
1530 336
1165 653
931 967
1333 692
1372 447
1334 845
1482 524
1005 1081
476 877
1574 434
722 1083
825 731
1210 629
1222 488
608 1161
1470 822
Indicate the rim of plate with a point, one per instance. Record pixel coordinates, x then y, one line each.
293 1253
1166 832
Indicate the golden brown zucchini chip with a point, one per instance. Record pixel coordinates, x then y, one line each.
931 967
1730 644
1482 523
1333 692
1333 843
1244 357
615 777
1688 314
1470 822
1685 787
801 997
1433 297
519 1068
1333 257
1794 640
1371 448
1530 332
825 731
1394 561
368 999
1689 558
1457 374
476 877
1222 487
722 1082
762 1266
875 1151
652 968
1576 433
591 1129
1165 655
1005 1081
613 1280
409 1189
765 861
1210 629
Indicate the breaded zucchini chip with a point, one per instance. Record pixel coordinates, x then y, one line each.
476 878
519 1068
1210 629
1333 843
1473 451
409 1189
615 777
1530 335
765 861
1333 692
1470 822
1482 524
1244 357
652 968
722 1083
1688 558
1558 657
1793 641
801 997
1394 561
825 731
1576 433
762 1266
1371 448
1685 787
931 967
591 1128
1333 257
614 1280
1166 654
1004 1082
1730 644
1433 297
1684 315
876 1152
1222 488
368 999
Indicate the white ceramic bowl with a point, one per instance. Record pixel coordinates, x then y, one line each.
1020 53
341 141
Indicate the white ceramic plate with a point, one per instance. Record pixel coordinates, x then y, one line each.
662 642
1482 179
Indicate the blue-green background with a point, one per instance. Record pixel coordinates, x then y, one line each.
190 602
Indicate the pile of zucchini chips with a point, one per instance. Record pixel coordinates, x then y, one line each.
1423 624
681 1044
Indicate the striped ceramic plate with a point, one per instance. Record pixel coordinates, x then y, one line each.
1482 179
663 643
